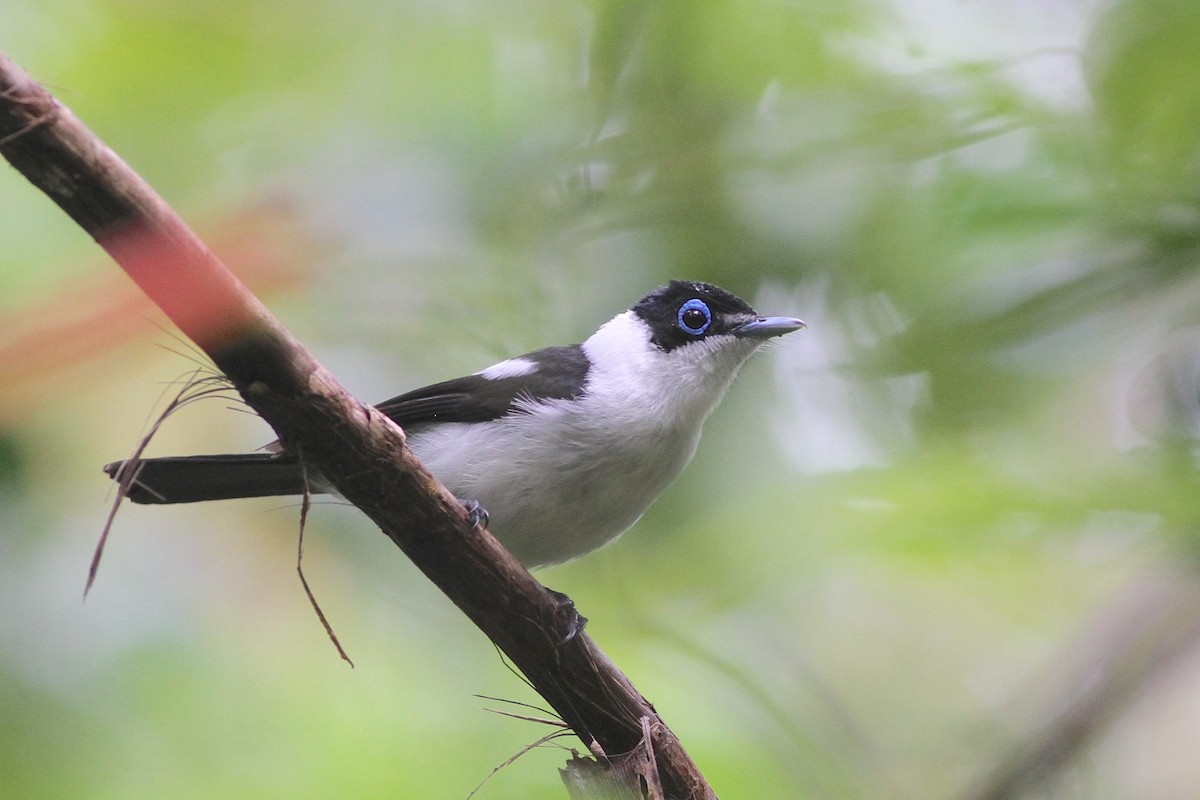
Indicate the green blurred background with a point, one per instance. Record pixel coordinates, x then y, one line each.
946 536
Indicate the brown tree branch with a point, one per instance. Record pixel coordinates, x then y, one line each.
354 446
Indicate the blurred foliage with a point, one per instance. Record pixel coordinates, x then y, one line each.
876 578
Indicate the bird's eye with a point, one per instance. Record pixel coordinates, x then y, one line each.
694 317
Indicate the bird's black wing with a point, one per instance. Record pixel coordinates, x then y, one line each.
556 373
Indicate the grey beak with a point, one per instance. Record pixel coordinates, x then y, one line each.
767 327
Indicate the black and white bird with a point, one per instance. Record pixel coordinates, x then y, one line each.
565 447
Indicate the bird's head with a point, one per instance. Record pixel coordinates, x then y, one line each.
682 344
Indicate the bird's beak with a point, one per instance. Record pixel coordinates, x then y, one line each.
767 327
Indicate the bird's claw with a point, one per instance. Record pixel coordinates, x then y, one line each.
477 515
575 623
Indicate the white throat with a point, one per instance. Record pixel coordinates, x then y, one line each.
676 389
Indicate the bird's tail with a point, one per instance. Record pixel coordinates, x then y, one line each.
190 479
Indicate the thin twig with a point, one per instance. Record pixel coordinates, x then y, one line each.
305 504
193 389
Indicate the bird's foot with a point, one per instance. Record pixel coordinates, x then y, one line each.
477 515
575 622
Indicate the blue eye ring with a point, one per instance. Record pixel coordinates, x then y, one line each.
688 320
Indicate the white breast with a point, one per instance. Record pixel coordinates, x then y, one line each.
572 475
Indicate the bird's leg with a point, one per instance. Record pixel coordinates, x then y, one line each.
575 622
477 515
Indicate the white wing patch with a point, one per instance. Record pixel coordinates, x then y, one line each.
512 368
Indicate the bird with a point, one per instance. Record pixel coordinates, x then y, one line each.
558 451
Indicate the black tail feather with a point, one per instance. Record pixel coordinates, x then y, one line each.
191 479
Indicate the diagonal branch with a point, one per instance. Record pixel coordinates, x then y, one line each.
1133 644
357 448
